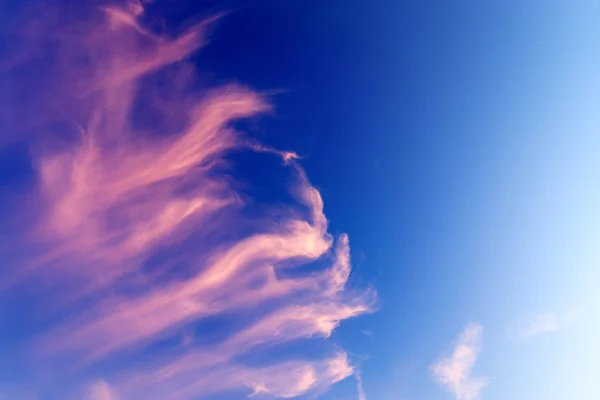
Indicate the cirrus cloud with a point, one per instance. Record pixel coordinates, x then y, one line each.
144 234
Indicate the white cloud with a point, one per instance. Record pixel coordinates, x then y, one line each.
454 370
541 323
359 386
544 322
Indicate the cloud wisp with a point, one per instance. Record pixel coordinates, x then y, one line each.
144 234
453 371
545 322
541 323
359 386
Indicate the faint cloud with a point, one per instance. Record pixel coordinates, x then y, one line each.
16 393
286 156
453 371
359 386
545 322
100 390
367 332
541 323
187 339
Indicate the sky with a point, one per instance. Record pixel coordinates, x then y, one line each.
333 200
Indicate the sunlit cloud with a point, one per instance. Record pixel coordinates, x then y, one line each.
453 371
144 234
283 380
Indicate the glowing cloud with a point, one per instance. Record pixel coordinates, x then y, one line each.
117 194
454 370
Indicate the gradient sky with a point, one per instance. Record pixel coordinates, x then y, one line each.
383 200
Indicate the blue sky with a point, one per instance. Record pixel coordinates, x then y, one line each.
456 144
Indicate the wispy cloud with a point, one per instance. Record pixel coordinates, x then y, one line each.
545 322
359 386
145 234
100 390
541 323
454 370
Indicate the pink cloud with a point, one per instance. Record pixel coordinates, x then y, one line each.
287 379
454 370
112 195
100 390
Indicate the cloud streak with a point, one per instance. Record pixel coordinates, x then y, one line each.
453 371
144 234
359 386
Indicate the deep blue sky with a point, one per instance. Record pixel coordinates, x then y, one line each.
458 145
